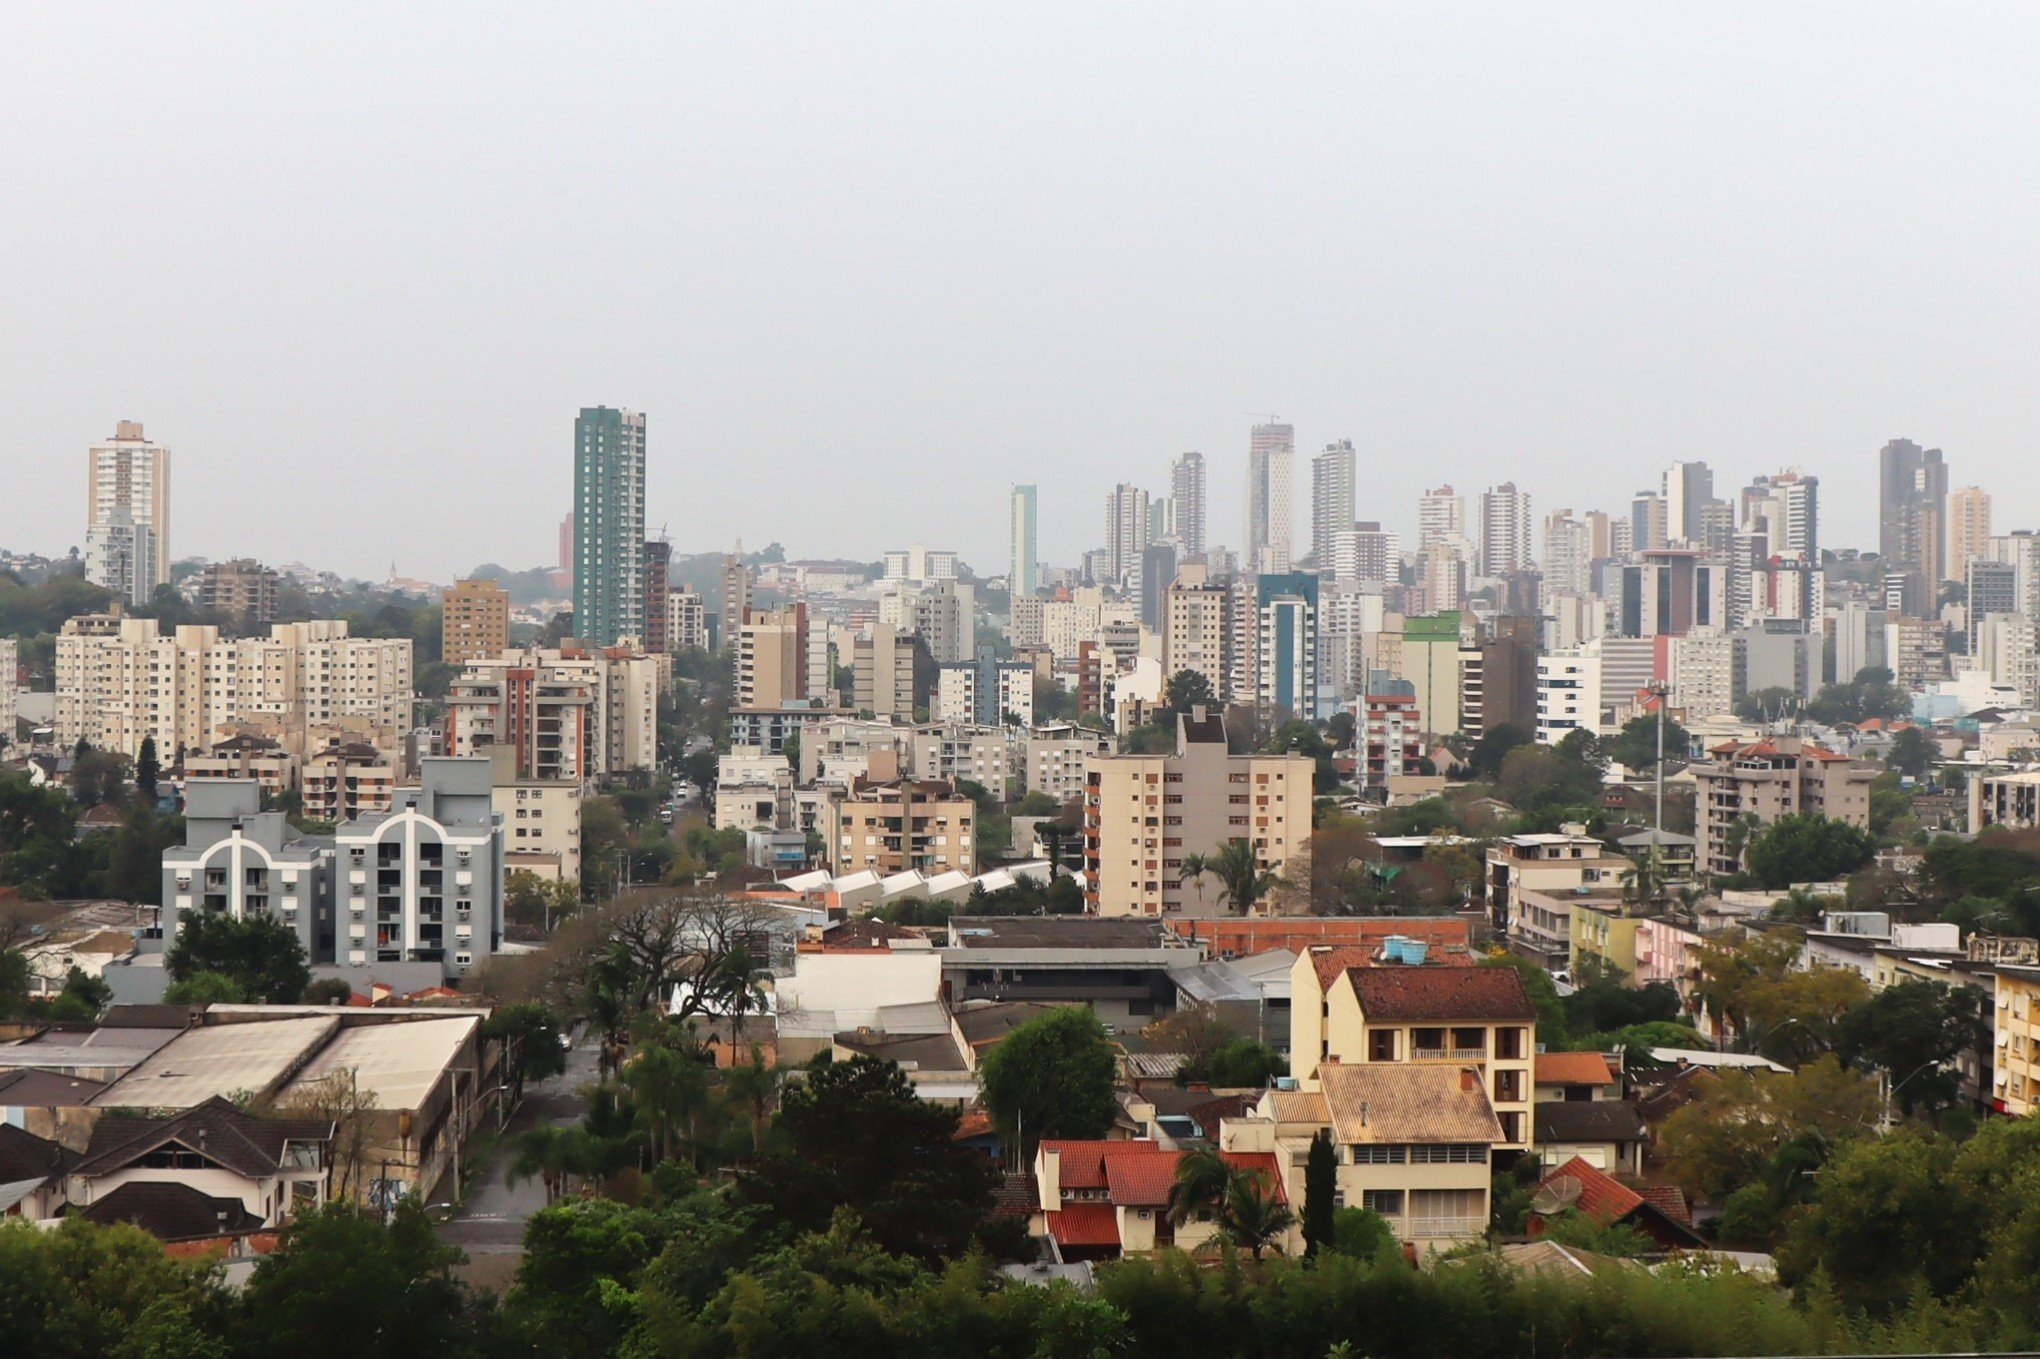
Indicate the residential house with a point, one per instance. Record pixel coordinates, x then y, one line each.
1346 1012
1580 1187
1100 1200
1414 1143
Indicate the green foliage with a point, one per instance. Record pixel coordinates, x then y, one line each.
1052 1077
856 1136
1244 1063
532 1033
1320 1185
1603 1002
1361 1233
1241 880
1872 693
262 957
1543 991
1912 753
206 988
147 769
1726 1137
1635 747
343 1285
1807 847
1572 1228
1188 689
1913 1031
89 1292
1493 747
38 852
330 991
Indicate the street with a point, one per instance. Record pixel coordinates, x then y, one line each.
491 1222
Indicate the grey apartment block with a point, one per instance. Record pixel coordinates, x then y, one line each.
423 882
241 860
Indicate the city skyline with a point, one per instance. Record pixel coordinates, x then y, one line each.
1536 296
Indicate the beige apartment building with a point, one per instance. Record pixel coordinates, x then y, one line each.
1143 813
127 479
568 714
274 769
541 828
2015 1068
122 680
1055 759
772 657
346 781
1348 1008
1196 629
242 588
474 622
1767 779
883 669
890 828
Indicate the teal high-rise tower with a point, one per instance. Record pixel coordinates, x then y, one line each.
609 525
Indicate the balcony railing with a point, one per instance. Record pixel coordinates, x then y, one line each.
1423 1227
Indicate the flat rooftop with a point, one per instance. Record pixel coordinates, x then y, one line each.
1058 932
400 1062
218 1059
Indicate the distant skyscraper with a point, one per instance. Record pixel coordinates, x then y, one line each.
1023 577
1271 499
1504 530
1649 526
736 596
1784 509
1968 528
1126 532
609 525
1331 500
1441 517
129 473
1912 501
658 564
1186 490
1688 487
1568 555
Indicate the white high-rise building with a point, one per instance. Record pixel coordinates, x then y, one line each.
1271 498
1504 530
1688 487
120 555
131 474
1568 555
1023 577
1186 493
1126 531
1331 500
1441 517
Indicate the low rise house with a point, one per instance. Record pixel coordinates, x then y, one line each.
51 958
1104 1199
211 1173
1607 1134
1415 1143
1576 1186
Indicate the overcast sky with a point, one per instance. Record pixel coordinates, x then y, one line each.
864 265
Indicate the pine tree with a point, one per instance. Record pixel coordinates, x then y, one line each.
1320 1175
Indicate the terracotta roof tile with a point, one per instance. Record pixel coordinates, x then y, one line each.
1441 993
1601 1197
1573 1068
1670 1200
1084 1224
1141 1180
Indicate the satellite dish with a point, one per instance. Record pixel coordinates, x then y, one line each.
1555 1196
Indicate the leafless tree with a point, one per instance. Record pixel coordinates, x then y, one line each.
337 1097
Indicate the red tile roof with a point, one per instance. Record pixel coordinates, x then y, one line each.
1141 1180
1139 1174
1670 1200
974 1123
1573 1068
1442 993
1601 1196
1084 1224
1330 962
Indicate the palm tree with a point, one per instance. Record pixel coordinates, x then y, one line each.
753 1087
1242 880
1248 1217
670 1089
549 1153
1201 1180
1194 866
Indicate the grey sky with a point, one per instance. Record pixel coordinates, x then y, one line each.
864 265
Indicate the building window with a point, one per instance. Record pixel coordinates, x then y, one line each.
1427 1042
1387 1202
1380 1044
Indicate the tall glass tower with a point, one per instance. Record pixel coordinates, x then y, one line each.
609 525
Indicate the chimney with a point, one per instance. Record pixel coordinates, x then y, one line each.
1466 1078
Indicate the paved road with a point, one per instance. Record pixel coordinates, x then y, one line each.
492 1221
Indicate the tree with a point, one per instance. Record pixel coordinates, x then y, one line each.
337 1098
670 1087
1912 753
83 1291
1249 1216
1731 969
1493 747
98 776
1053 1076
1913 1031
1793 1017
1320 1188
1360 1233
261 956
1197 1031
549 1154
328 991
1808 847
147 769
1543 993
1635 747
206 988
753 1087
1202 1177
1726 1137
1243 1063
1242 880
857 1136
1191 868
1188 689
83 996
533 1038
342 1285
